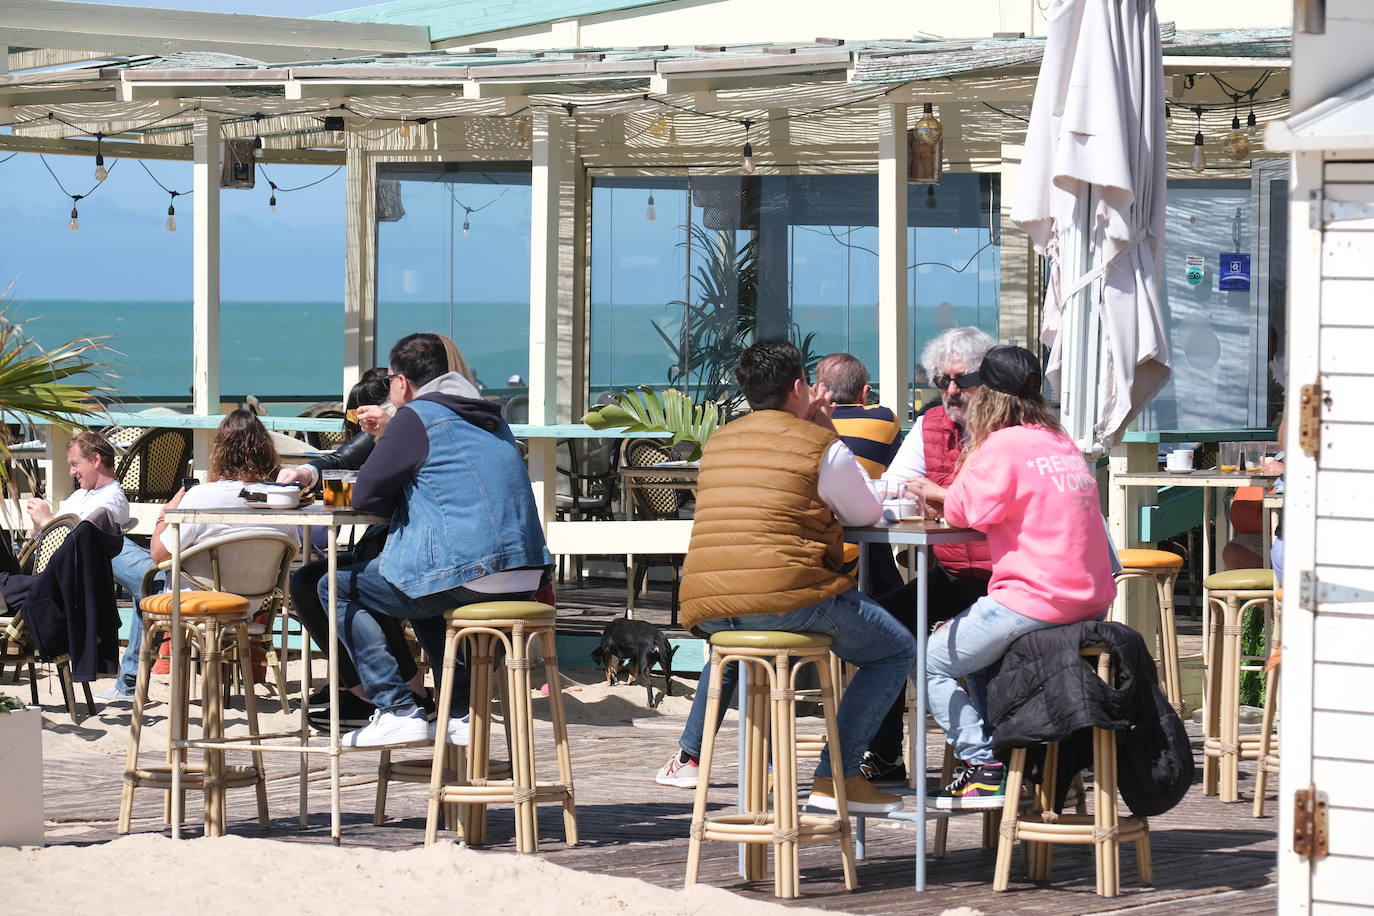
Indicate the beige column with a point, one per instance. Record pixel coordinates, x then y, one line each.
205 337
894 363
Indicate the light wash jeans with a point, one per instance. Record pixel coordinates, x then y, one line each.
130 566
861 633
965 648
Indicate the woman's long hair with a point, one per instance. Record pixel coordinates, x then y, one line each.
243 450
456 363
989 411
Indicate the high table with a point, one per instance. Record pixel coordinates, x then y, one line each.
332 520
921 535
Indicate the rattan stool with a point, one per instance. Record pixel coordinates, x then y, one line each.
1162 568
770 706
209 620
515 626
1230 595
1104 828
1267 755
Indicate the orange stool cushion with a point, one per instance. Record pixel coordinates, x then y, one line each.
202 603
1149 559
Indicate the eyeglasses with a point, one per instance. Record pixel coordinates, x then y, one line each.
393 375
964 381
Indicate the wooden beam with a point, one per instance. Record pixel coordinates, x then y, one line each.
152 151
894 365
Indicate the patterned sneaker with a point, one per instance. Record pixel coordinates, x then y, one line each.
877 770
859 795
981 786
681 771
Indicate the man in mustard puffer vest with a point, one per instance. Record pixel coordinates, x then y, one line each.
766 554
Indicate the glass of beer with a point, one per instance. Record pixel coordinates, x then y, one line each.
338 488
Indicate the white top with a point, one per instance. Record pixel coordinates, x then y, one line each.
844 487
219 494
910 460
110 496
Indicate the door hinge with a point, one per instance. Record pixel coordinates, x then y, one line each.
1310 418
1309 823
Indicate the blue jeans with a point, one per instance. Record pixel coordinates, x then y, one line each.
130 566
861 633
965 648
362 588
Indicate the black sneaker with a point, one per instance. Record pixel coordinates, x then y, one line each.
354 712
875 769
973 787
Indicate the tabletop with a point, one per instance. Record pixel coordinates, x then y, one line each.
325 516
925 531
1199 478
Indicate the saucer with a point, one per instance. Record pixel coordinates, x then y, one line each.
1179 471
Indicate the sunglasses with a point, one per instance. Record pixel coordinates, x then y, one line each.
964 381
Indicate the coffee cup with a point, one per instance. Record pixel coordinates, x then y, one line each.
903 509
1180 459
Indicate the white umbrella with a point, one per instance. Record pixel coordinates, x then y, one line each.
1091 197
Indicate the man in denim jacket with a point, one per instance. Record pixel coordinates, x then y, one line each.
463 529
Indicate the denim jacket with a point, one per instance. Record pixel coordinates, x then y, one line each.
466 513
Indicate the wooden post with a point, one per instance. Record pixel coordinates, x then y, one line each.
205 337
545 180
1135 598
894 363
360 253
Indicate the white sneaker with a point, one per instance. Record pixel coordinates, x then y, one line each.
457 730
384 728
115 695
679 773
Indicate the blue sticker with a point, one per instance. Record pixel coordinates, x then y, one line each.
1234 271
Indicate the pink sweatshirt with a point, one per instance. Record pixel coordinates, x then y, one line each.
1032 493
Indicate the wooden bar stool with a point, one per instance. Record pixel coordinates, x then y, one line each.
770 707
1230 595
212 622
1267 756
1161 567
514 626
1104 829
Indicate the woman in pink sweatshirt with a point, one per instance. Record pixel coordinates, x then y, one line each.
1024 484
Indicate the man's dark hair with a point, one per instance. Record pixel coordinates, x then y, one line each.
421 358
766 372
844 374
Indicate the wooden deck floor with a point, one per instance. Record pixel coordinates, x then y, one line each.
1206 854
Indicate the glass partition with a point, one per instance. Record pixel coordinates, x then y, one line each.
687 272
453 256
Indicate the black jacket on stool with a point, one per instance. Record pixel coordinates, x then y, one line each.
1045 691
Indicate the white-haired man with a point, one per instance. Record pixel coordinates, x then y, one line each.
960 574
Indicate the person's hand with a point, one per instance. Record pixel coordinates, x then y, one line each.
822 406
372 419
1272 468
928 490
39 511
300 474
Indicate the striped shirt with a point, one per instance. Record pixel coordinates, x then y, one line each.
871 432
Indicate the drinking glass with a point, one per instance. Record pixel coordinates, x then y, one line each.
1253 457
1228 457
338 488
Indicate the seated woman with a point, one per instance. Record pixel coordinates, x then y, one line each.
242 453
1025 484
367 400
91 460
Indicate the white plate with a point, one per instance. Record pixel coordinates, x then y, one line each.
1177 471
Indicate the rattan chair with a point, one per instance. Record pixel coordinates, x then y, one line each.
17 646
652 503
586 471
153 466
255 564
325 411
121 437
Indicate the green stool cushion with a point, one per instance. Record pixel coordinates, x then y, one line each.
502 610
1245 579
768 639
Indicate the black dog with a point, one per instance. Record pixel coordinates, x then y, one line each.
641 644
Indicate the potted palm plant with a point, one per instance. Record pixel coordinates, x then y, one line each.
684 425
21 761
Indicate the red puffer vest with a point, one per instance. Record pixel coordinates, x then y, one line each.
941 439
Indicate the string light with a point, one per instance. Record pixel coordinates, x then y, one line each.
272 201
101 173
1199 162
660 127
748 149
929 131
257 139
405 128
651 214
172 213
75 223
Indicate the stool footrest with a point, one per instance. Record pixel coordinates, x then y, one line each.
1077 828
749 828
192 776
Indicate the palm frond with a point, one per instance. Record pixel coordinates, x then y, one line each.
669 412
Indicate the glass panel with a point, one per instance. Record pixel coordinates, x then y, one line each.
728 259
1215 334
453 256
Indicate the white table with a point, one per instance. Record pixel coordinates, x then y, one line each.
921 535
310 517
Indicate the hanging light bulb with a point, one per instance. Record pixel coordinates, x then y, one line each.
651 214
257 147
101 173
1199 162
405 128
931 202
929 130
659 127
1236 145
1250 118
172 212
74 224
748 149
467 227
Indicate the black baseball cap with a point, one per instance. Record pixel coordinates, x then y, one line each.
1010 370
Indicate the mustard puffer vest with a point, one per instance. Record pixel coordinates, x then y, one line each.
762 540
